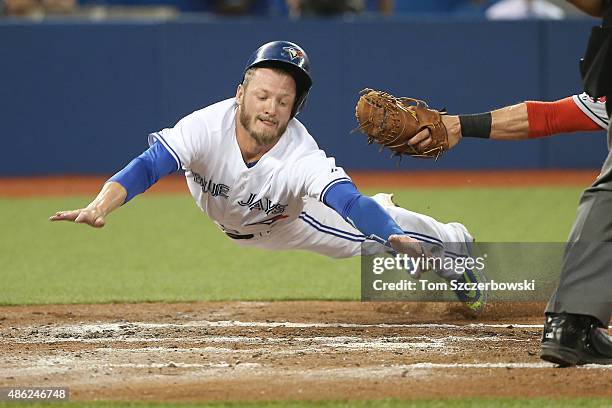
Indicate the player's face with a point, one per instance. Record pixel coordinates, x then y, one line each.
266 104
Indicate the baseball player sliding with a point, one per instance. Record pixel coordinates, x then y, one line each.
254 169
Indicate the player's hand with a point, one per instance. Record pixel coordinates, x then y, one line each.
109 198
453 128
90 216
406 245
421 140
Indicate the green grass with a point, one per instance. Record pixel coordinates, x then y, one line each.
501 214
454 403
161 248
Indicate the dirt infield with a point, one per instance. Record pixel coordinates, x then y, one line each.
89 185
284 350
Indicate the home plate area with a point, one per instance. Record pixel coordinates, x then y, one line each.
285 351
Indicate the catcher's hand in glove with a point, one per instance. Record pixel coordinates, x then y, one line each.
404 125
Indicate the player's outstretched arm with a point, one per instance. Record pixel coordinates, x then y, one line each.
508 123
140 174
408 126
365 214
526 120
110 198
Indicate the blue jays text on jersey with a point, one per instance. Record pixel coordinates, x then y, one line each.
210 187
263 204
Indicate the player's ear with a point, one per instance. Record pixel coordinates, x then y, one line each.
239 94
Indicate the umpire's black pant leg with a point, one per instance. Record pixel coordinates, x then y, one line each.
585 284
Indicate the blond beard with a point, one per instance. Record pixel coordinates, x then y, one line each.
261 138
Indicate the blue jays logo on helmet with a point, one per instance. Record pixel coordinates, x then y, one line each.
294 52
293 59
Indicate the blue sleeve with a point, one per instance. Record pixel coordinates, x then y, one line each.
144 171
362 212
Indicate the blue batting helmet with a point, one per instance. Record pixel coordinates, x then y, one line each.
290 57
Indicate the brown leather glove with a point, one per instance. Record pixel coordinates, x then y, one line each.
391 122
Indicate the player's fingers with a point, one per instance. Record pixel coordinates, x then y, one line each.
419 137
65 215
405 245
401 239
425 143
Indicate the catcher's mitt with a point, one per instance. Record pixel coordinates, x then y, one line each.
391 122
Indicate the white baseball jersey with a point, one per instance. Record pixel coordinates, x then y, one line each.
593 108
243 200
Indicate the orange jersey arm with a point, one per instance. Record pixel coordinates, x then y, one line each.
562 116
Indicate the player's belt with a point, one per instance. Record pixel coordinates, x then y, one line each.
237 236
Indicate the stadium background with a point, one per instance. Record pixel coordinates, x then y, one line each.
79 97
110 83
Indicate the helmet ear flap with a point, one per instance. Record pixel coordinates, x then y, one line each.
289 57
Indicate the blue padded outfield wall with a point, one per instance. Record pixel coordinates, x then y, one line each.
81 97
